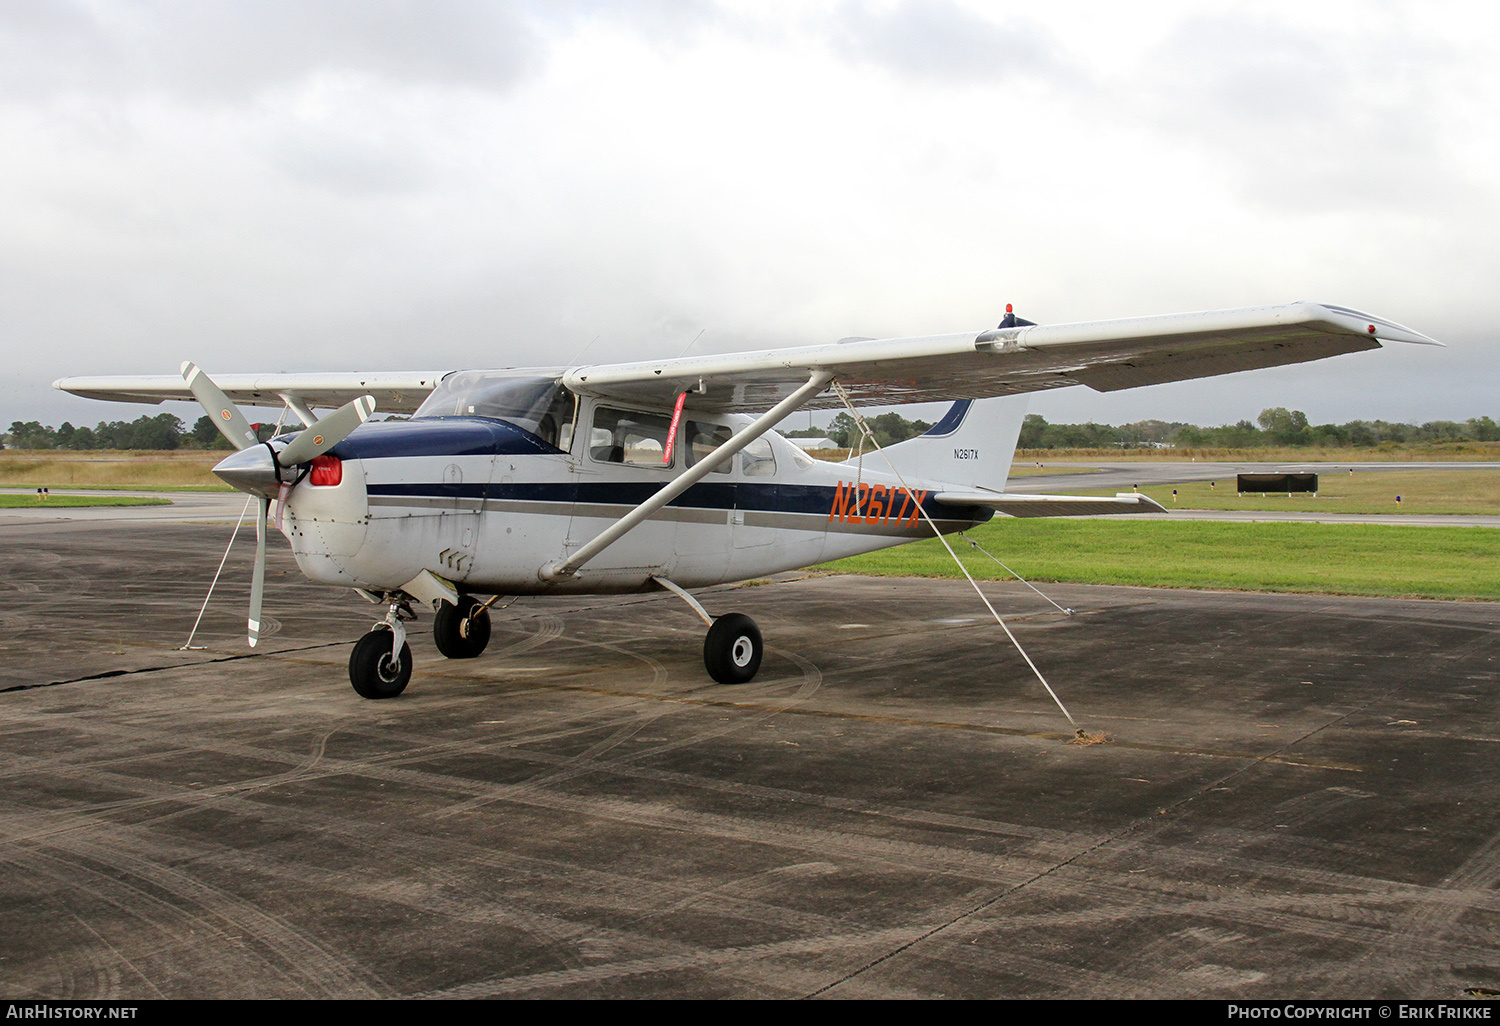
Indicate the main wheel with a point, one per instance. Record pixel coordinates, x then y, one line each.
461 631
373 671
732 650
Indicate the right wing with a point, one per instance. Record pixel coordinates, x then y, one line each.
1104 355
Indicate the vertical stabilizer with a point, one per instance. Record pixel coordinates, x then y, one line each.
971 447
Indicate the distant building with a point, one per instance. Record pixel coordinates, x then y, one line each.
814 443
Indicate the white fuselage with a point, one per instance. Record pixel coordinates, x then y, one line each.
489 520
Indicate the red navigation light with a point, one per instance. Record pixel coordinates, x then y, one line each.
326 470
1372 329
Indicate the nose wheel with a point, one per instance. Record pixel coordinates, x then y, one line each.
733 648
377 669
380 665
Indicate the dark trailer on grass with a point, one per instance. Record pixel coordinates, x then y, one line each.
1288 483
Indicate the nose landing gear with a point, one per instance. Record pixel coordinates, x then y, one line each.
380 665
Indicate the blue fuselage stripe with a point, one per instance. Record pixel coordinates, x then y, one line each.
770 498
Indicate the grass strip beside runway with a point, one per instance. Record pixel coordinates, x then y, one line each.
24 501
1332 559
1421 491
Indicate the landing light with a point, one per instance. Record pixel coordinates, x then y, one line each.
326 470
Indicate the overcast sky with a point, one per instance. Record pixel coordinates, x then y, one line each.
345 184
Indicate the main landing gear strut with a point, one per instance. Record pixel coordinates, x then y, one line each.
733 648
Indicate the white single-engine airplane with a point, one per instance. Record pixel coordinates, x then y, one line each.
666 474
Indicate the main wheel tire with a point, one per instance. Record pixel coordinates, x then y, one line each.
732 650
373 671
461 631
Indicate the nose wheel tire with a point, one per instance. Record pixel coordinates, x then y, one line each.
732 650
461 631
373 671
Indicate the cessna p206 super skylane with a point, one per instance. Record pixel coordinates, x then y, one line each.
636 476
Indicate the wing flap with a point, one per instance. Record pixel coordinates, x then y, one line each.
1054 505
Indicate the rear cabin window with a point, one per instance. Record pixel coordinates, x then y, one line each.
703 439
757 459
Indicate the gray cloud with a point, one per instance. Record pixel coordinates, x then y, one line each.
937 39
223 49
1304 121
339 184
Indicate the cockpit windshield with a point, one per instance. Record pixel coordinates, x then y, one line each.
538 404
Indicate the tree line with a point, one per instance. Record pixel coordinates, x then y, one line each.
1277 426
162 432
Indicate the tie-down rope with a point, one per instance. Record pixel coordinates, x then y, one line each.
866 432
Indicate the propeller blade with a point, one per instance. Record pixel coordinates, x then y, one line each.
328 432
225 415
258 581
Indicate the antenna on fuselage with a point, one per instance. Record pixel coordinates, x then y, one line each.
579 355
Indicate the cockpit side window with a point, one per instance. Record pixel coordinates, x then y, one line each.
556 425
538 404
625 436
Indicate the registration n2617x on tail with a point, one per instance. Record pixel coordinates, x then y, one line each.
637 476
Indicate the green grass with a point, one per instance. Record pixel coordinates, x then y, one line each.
1421 491
187 470
8 501
1335 559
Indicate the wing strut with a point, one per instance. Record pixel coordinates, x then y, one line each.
682 482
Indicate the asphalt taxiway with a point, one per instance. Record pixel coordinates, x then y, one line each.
1295 798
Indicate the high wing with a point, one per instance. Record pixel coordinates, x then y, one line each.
394 391
1104 355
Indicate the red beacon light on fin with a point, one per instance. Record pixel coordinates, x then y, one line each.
326 471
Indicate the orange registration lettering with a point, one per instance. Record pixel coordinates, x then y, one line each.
916 513
840 508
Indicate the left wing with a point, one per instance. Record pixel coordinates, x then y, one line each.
394 392
1105 355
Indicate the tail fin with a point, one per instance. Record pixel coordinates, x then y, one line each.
971 447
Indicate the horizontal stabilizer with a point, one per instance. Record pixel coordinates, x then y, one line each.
1053 505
